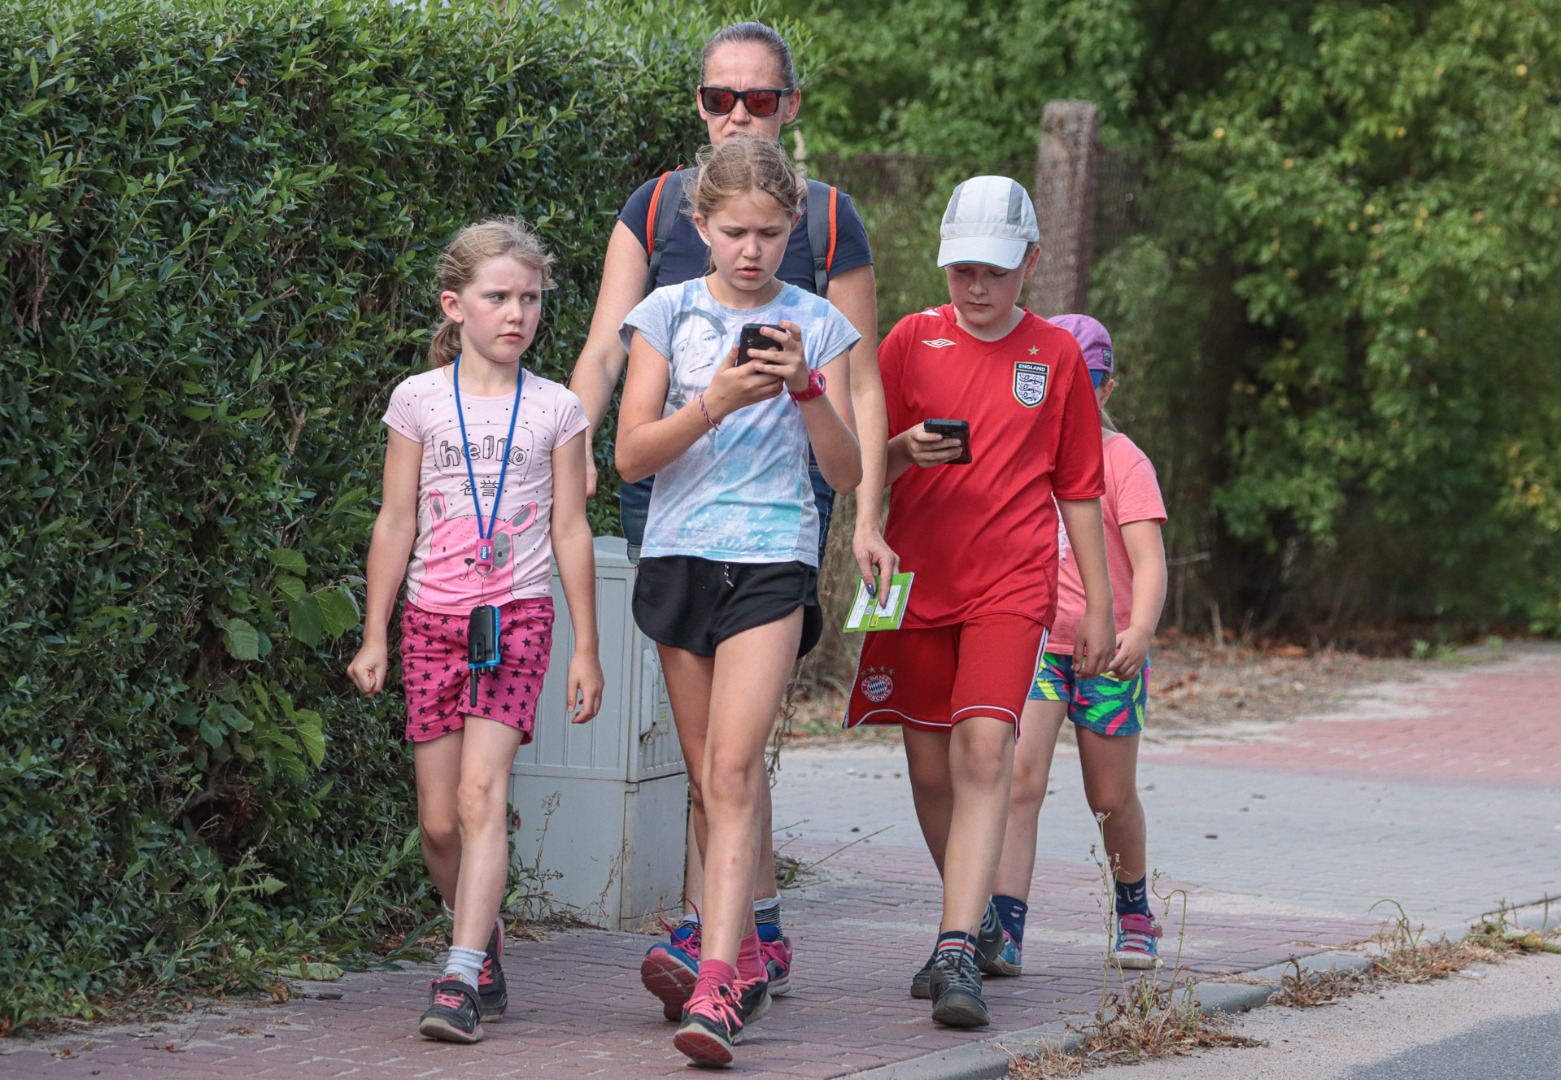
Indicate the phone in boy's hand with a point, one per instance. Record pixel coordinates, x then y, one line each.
752 337
952 429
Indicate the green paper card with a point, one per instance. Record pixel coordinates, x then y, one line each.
868 615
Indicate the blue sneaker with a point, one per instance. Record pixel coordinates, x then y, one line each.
1009 961
775 947
671 968
1137 946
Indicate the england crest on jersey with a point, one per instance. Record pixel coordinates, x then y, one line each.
1030 383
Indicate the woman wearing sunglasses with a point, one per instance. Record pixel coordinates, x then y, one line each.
747 86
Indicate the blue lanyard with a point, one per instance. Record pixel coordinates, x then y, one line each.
466 449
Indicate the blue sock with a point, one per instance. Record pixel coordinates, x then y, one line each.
767 912
1133 897
956 941
1011 911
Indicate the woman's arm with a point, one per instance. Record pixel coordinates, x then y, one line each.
1146 553
601 360
395 529
1095 642
855 293
576 559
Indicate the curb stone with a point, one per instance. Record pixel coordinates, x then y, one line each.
989 1058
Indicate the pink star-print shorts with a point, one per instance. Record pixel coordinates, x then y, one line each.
438 683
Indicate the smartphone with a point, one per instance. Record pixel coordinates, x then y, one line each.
752 338
952 429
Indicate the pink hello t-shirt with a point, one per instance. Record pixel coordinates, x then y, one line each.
422 408
1132 494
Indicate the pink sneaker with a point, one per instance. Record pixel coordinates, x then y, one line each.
712 1025
1137 945
775 949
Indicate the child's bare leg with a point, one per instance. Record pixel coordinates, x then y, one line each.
482 799
927 762
981 759
1110 766
693 868
688 689
764 885
437 764
1038 727
750 676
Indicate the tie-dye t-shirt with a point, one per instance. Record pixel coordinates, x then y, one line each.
740 494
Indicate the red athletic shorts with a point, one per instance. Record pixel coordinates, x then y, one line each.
932 679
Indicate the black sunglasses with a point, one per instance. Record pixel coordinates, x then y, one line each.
720 100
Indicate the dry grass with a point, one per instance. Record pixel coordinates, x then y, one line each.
1406 957
1142 1022
1306 989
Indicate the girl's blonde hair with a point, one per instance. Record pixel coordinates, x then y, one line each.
472 248
743 164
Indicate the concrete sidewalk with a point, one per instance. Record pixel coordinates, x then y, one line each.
1440 794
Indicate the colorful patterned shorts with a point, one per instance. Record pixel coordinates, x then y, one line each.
1105 704
437 681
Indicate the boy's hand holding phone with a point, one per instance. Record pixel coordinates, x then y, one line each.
938 442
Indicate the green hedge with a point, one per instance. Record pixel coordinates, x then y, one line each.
218 229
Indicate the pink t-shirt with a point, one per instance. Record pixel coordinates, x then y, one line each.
1132 494
422 408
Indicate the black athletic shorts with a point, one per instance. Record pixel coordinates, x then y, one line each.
695 604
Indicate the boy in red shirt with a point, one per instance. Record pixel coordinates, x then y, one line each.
981 538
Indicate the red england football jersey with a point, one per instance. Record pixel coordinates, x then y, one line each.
982 538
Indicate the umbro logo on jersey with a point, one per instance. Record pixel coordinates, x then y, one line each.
938 343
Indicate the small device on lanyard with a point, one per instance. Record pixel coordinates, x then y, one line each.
484 648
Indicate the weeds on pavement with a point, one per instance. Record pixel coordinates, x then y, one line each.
1406 957
1144 1018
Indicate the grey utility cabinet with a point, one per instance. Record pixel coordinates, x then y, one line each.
603 806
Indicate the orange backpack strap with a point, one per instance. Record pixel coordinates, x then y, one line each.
665 200
823 207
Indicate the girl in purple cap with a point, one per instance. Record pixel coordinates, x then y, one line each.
1108 710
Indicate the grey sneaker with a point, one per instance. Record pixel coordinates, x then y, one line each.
989 942
956 992
921 982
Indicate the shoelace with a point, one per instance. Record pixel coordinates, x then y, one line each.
450 999
962 974
671 929
722 1006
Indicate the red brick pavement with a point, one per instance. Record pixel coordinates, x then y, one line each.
1496 724
869 914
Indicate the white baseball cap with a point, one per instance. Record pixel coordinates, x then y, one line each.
990 220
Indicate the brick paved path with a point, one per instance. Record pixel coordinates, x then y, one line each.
1441 794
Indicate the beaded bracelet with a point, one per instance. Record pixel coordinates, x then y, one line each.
714 426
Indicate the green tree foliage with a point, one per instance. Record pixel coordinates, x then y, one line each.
1340 283
218 230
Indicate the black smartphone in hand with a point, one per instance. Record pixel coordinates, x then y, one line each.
952 429
753 337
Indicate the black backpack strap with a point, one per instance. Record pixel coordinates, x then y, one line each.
665 203
822 203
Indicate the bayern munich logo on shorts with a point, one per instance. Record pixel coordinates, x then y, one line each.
877 684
